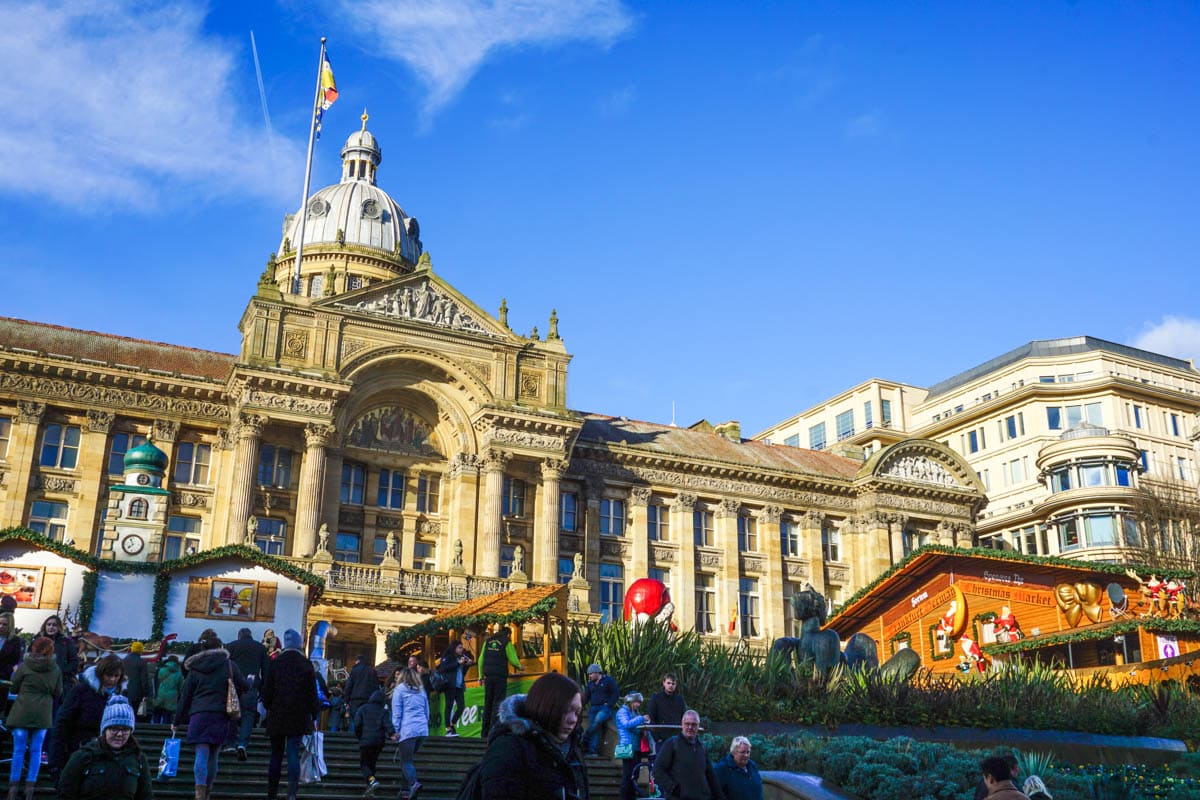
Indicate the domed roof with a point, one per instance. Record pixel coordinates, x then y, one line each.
356 211
146 458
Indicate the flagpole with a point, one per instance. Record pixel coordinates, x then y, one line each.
312 132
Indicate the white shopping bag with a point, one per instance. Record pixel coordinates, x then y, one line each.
312 758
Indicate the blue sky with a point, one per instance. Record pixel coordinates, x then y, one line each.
743 208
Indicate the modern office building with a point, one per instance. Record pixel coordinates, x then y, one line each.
1068 436
382 430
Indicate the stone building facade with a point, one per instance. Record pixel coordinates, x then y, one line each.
383 430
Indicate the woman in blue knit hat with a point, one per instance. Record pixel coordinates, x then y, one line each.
112 766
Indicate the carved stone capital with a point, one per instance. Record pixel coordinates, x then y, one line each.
250 426
684 502
899 520
728 507
165 430
30 411
99 421
812 520
771 515
464 464
553 469
225 439
318 434
639 495
495 460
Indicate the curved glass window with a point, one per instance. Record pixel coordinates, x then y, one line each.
1096 527
1086 474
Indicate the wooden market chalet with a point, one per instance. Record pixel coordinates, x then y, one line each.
974 610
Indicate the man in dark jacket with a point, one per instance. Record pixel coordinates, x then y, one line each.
137 675
361 684
498 655
737 775
666 708
682 769
250 656
289 693
602 697
372 727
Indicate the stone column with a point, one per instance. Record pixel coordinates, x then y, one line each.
22 453
682 507
770 585
594 493
312 489
877 549
639 555
461 511
245 462
896 524
811 524
487 553
727 582
93 479
544 557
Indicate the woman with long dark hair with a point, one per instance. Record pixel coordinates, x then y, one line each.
533 749
202 706
78 718
453 669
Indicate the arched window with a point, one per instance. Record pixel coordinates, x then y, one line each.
138 509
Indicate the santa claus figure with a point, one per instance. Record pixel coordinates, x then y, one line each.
973 654
1007 629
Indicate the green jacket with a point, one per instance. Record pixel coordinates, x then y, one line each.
36 683
170 679
95 772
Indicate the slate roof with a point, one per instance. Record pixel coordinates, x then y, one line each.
55 340
670 441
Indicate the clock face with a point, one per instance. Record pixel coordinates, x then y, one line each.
133 544
143 479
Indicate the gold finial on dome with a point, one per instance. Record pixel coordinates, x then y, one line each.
364 118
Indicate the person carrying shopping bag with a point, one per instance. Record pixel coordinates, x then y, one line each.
36 683
204 707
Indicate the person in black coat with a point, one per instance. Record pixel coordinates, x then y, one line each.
682 769
360 685
202 706
453 670
372 727
666 708
78 718
289 694
137 676
533 750
252 659
12 648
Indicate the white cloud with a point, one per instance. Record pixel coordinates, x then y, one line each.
446 41
1174 336
124 104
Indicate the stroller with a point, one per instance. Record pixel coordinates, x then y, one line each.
643 769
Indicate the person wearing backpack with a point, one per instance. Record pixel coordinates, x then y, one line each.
410 720
372 727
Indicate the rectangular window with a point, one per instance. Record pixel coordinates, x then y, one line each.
1181 467
1092 414
568 511
1174 427
660 574
1137 416
816 436
789 538
1054 418
274 466
271 536
793 440
379 548
885 412
1068 533
121 443
831 541
985 478
702 528
706 604
49 519
845 425
5 435
425 556
191 463
1016 472
1045 379
391 489
348 547
514 497
428 493
566 570
508 555
868 416
612 517
60 446
1123 475
748 610
1092 475
1010 426
1026 540
612 591
973 441
183 537
354 478
1101 530
747 528
316 286
658 522
1144 457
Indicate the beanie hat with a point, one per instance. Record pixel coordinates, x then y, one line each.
291 639
1034 784
633 697
117 713
137 647
595 668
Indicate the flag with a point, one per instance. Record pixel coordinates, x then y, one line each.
328 92
733 621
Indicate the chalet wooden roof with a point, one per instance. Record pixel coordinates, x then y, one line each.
506 602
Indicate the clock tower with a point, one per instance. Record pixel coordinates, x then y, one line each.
137 508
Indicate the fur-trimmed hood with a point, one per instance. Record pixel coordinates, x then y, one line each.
91 679
511 716
207 660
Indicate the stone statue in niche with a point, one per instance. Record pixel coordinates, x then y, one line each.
518 560
390 551
251 530
323 538
393 430
458 553
578 572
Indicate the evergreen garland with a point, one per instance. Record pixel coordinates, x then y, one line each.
247 554
902 637
431 627
158 609
87 598
1151 625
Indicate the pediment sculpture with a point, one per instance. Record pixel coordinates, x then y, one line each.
421 302
393 430
921 470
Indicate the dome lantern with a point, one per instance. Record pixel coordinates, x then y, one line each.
361 155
